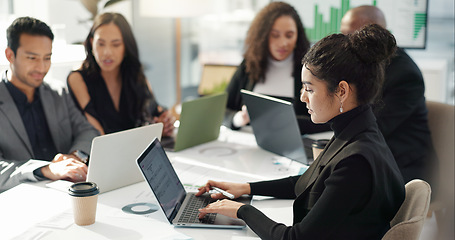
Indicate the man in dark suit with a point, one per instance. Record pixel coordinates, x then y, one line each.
401 113
42 134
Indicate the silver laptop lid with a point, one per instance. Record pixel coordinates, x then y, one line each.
112 158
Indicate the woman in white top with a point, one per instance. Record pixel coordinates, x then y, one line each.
275 45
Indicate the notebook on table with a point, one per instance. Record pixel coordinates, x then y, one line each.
180 207
200 122
112 157
275 127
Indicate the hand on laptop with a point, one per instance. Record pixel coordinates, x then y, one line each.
238 189
168 122
65 167
225 207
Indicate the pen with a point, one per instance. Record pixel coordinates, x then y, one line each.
229 195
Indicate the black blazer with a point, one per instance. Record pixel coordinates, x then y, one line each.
403 120
351 191
241 80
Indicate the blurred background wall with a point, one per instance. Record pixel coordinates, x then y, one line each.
208 32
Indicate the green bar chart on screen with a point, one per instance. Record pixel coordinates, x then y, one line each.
406 19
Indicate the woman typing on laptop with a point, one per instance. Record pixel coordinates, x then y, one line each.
354 188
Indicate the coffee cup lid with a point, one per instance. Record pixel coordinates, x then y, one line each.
83 189
320 143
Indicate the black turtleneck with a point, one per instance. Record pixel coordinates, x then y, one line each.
353 192
339 122
352 168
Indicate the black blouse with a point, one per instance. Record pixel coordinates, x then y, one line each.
102 108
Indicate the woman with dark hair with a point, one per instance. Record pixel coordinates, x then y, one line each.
110 88
354 188
274 47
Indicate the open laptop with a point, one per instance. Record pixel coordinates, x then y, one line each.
112 158
275 126
180 207
200 122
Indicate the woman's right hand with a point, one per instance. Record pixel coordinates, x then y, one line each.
66 167
241 118
237 189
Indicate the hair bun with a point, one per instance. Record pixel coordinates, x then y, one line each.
372 44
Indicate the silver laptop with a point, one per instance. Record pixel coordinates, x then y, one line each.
275 126
112 158
180 207
200 122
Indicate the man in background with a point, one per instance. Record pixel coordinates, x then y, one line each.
42 134
401 113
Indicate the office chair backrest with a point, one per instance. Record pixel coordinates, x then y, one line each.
441 123
408 222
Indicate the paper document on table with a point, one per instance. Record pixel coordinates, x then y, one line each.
59 221
195 174
61 185
32 234
249 166
243 137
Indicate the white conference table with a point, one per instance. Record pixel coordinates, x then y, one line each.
36 211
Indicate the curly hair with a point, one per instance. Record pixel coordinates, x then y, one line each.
256 43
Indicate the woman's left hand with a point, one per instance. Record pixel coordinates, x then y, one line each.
225 207
168 122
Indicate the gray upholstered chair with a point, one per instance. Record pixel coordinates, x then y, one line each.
408 222
441 122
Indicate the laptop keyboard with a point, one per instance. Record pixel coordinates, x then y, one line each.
191 212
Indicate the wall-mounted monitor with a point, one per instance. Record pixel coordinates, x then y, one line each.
406 19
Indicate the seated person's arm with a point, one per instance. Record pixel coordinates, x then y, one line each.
347 190
78 89
65 167
237 189
278 188
15 172
167 119
234 101
164 116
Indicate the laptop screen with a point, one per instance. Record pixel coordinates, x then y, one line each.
161 177
275 125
